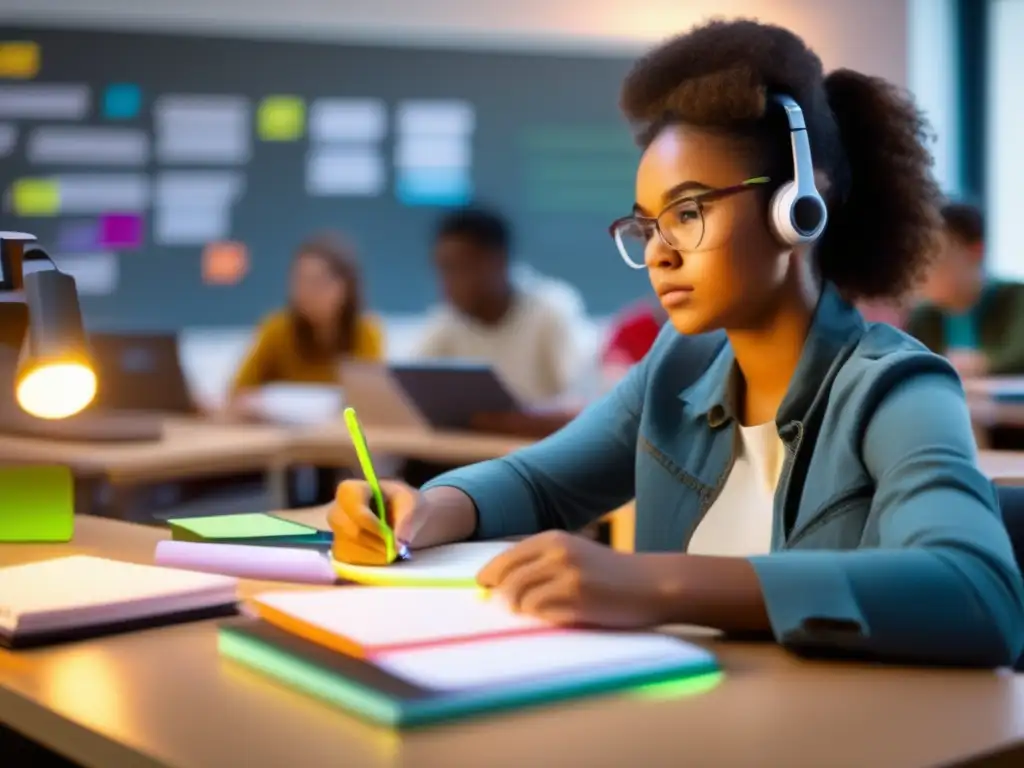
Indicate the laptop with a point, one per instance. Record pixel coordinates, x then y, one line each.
436 394
140 372
91 425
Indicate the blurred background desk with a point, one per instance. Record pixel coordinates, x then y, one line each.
165 698
189 449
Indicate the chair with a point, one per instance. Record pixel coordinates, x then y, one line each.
1011 502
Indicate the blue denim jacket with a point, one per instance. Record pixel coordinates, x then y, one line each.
887 539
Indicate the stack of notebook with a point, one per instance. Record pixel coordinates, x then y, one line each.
407 657
80 596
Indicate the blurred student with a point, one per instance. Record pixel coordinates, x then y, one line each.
971 318
528 340
307 342
323 324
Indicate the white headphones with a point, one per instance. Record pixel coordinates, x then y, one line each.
796 211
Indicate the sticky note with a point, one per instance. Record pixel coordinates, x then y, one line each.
281 118
122 101
121 231
19 59
78 236
35 197
249 526
434 186
225 263
95 274
38 504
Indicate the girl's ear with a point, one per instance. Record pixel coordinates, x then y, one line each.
977 251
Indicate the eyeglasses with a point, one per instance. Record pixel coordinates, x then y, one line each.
681 225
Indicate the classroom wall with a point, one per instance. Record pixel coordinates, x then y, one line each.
864 34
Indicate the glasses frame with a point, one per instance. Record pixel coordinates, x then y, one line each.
706 196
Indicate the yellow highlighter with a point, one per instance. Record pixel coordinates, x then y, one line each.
366 464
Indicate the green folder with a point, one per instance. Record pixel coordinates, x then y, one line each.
254 529
375 694
37 504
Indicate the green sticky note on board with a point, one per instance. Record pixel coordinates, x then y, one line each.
249 526
35 197
281 118
37 504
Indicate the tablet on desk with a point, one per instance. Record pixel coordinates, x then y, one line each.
450 393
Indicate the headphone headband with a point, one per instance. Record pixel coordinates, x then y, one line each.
798 212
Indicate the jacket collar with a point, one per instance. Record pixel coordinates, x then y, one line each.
834 326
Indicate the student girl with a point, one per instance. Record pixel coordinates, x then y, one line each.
323 324
839 455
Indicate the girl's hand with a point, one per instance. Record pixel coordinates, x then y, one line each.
569 580
358 537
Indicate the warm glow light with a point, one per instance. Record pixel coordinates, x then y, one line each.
56 390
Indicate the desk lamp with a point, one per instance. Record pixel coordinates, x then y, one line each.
55 378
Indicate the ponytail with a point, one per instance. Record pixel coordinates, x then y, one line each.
883 202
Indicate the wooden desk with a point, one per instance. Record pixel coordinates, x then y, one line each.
165 698
1003 467
330 444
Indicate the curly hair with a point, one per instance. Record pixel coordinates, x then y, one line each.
866 136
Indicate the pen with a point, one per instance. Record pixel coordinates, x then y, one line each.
366 464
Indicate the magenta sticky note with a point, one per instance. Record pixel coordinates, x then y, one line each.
121 230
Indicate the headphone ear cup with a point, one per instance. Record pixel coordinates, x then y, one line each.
786 211
780 210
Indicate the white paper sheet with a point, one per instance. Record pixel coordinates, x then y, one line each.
347 120
436 118
96 274
378 617
203 129
74 145
415 151
345 171
190 225
193 189
547 655
44 102
103 192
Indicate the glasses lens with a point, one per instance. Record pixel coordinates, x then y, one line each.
632 236
682 226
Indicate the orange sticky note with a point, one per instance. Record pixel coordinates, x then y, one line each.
19 59
225 263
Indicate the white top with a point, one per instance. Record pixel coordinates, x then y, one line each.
739 523
533 348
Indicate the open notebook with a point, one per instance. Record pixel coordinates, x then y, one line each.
466 662
451 565
78 596
360 621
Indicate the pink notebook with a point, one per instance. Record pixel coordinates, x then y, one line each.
303 566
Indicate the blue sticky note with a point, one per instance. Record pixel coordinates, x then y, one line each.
122 101
434 186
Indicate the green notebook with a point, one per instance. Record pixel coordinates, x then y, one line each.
256 529
424 685
37 504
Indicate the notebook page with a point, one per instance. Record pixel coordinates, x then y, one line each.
85 584
393 616
449 563
511 660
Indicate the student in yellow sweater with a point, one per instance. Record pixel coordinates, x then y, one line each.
323 324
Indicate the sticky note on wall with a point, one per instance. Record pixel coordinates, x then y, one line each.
19 59
281 118
122 101
38 504
121 231
225 263
35 197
